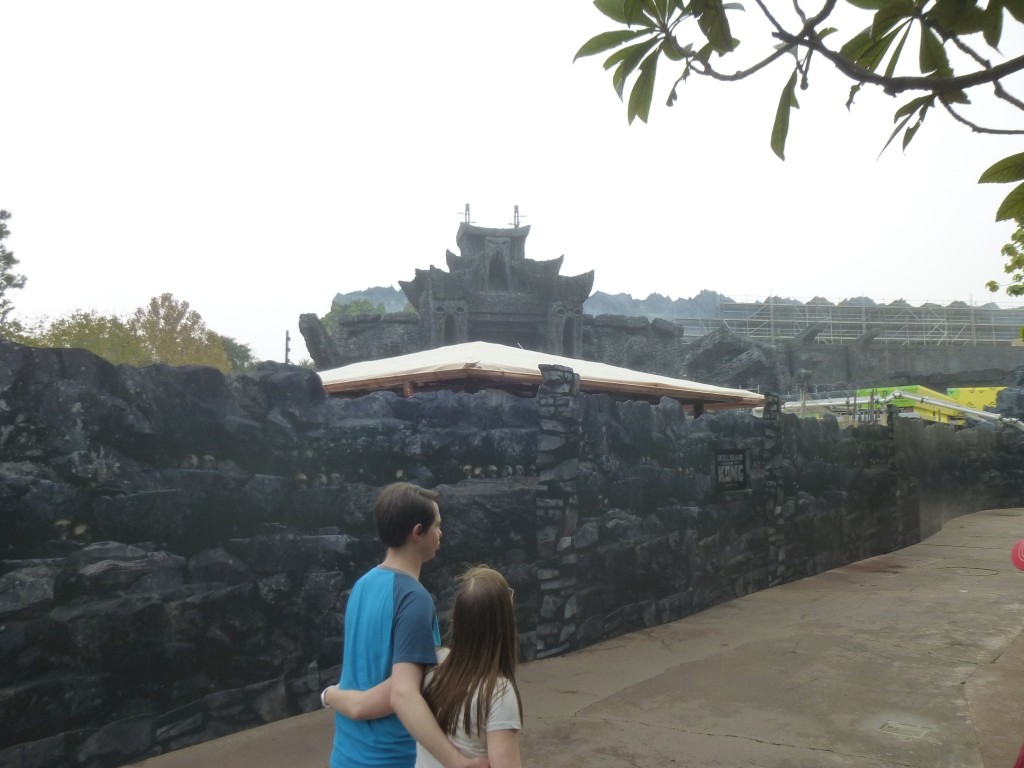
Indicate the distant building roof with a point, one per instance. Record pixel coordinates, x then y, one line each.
478 365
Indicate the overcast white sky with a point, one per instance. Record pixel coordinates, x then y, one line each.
256 158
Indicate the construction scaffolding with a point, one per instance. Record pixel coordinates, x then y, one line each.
897 323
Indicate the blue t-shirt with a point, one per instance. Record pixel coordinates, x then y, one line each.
389 619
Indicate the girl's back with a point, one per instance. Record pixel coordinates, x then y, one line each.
472 692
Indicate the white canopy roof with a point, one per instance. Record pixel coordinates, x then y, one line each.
478 364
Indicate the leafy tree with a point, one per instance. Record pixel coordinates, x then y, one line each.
1014 253
173 333
105 335
9 281
240 356
956 41
164 331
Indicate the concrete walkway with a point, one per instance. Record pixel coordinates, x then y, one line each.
915 658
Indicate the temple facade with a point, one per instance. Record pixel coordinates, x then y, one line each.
492 292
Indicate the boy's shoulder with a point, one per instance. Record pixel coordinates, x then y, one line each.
382 578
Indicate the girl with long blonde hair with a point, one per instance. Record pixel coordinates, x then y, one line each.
472 691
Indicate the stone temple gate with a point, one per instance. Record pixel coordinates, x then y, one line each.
492 292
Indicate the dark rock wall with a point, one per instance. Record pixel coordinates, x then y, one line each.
176 544
954 471
719 357
361 337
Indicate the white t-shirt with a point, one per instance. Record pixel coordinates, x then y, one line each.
504 716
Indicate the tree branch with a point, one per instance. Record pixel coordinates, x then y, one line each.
977 128
799 11
809 26
894 85
771 19
1002 94
708 71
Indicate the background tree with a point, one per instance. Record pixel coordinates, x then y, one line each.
175 334
1014 253
164 331
956 43
9 281
239 355
105 335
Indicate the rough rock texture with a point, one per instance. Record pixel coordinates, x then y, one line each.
176 544
719 357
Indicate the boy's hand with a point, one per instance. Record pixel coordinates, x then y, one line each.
478 762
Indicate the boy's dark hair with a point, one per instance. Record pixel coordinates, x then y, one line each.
400 508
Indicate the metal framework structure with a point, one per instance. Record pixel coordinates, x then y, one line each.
897 324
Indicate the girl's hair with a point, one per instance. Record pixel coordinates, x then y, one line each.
482 639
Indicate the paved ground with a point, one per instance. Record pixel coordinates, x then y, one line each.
910 659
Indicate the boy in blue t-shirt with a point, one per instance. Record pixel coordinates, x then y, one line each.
391 631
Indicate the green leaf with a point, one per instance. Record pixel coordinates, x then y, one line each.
956 17
889 16
1006 170
894 59
629 63
896 130
672 50
606 41
713 23
634 12
857 45
1016 9
613 9
993 29
912 130
643 90
868 5
866 51
780 130
633 52
913 105
933 56
703 54
1012 206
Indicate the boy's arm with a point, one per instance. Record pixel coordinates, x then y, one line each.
361 705
411 708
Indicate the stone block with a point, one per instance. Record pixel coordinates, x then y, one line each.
119 742
548 629
550 607
586 536
567 633
566 470
556 584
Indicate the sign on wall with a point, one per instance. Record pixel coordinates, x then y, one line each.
730 470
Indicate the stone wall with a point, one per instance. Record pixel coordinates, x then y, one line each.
177 545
